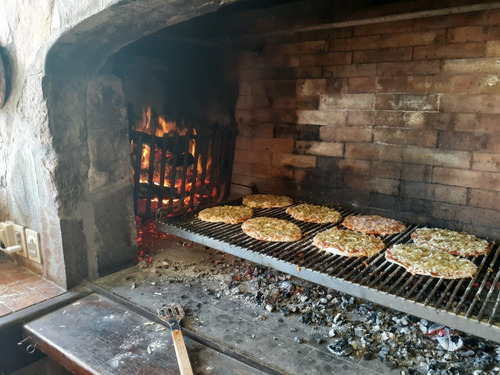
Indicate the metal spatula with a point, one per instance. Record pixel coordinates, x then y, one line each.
172 316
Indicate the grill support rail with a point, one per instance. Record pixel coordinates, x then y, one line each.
468 305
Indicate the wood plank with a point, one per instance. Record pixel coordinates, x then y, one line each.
98 336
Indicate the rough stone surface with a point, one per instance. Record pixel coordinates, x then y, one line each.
52 47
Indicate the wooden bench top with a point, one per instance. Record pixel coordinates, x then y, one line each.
98 336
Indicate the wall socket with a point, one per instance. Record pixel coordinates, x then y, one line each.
19 238
33 245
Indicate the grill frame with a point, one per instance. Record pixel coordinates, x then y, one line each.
462 304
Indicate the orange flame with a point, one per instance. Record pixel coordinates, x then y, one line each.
160 126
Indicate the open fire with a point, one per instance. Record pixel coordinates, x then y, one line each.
181 165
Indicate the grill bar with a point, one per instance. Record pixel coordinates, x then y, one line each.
469 305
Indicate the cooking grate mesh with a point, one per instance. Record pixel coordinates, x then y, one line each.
470 305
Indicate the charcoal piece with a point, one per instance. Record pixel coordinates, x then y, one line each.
341 348
450 342
285 310
383 355
305 318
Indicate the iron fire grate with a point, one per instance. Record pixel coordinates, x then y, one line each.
469 305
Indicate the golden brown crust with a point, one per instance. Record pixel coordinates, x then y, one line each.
226 214
455 243
348 243
373 224
314 214
430 262
266 201
271 229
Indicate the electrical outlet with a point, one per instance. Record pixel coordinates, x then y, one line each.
33 245
8 234
20 239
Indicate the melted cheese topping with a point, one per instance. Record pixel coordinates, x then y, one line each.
271 229
456 243
373 224
348 243
430 262
266 201
226 214
314 214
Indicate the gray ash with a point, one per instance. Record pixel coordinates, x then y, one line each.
360 329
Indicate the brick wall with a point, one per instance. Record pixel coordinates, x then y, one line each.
399 118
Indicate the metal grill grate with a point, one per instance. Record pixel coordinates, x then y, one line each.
469 305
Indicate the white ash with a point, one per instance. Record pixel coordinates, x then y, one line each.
360 329
346 325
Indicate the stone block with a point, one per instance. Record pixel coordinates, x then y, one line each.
385 169
119 250
347 102
390 119
416 172
472 34
392 84
417 190
470 103
482 161
472 66
488 123
462 141
293 160
360 118
361 85
449 51
433 156
371 151
372 184
467 178
309 87
382 55
407 102
351 70
450 194
406 68
346 134
335 149
484 198
246 156
74 242
330 118
396 136
324 59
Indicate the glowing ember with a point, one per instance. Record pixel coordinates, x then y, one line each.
175 168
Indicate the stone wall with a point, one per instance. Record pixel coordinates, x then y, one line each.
57 173
399 118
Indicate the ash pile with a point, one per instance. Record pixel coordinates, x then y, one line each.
360 329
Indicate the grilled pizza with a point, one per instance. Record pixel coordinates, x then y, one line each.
348 243
226 214
314 214
373 224
455 243
427 261
266 201
271 229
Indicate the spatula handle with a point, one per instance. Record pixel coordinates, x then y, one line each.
181 352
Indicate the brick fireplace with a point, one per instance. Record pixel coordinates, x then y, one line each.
386 107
